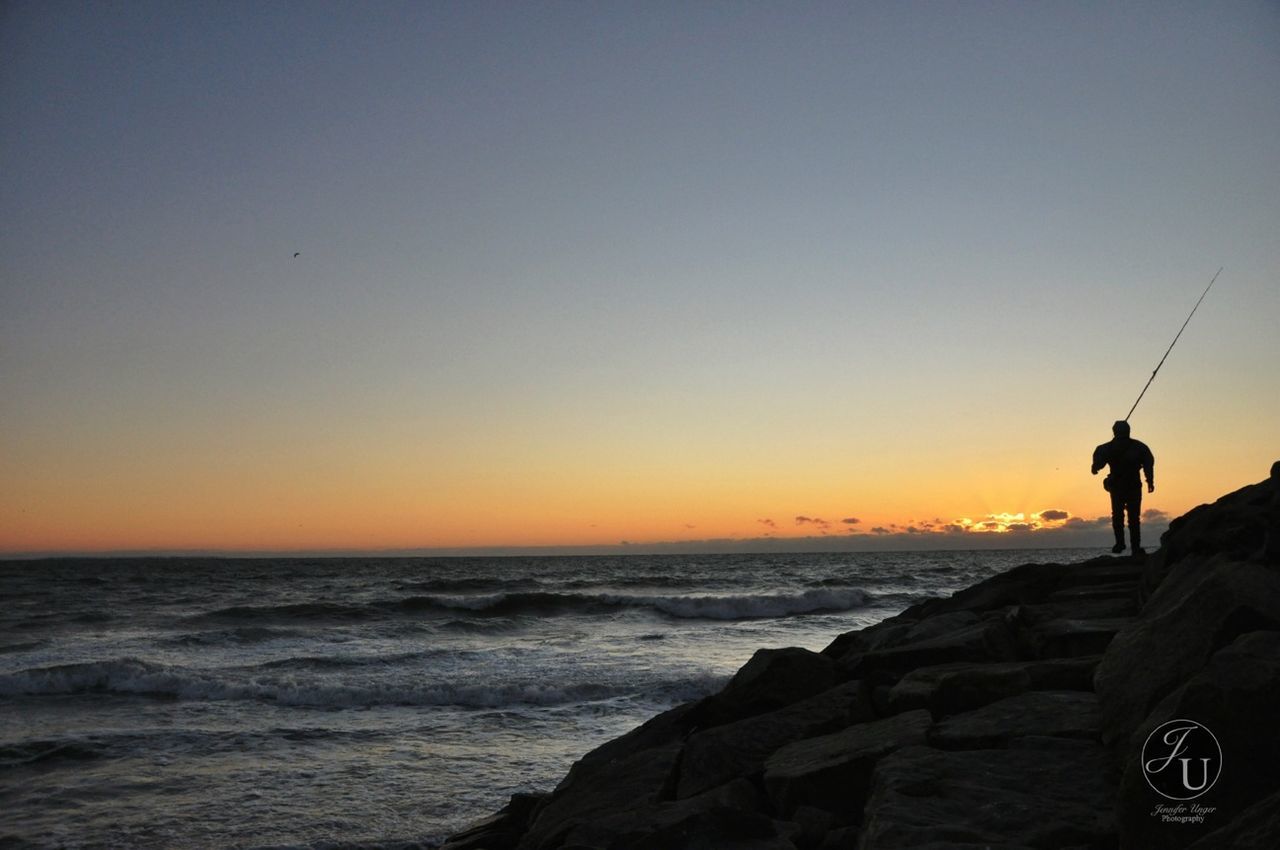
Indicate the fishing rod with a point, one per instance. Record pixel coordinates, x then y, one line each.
1172 344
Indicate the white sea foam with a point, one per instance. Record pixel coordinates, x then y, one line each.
134 677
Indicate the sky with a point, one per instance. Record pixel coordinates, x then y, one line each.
437 276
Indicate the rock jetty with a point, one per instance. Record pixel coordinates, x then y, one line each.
1049 706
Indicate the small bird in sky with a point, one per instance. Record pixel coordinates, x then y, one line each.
297 254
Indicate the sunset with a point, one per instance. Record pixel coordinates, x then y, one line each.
401 400
545 295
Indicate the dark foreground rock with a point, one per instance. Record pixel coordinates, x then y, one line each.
1054 705
1032 798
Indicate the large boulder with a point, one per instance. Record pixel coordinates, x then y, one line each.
629 771
773 678
739 749
1257 828
1200 608
500 831
671 726
924 797
728 813
1237 698
833 772
1235 525
600 789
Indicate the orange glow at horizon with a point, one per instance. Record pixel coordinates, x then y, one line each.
355 515
409 483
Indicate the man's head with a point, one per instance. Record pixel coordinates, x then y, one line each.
1121 430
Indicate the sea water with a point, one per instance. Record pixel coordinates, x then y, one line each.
213 703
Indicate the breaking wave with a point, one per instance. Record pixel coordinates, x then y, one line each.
549 603
137 678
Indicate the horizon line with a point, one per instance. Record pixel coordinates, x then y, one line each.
901 542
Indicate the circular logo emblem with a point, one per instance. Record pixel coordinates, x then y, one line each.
1181 759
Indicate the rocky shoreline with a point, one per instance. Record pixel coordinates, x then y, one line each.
1019 712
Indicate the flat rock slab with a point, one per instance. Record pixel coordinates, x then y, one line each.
1027 584
832 772
1079 609
1072 638
947 689
1113 590
898 631
1103 571
1036 714
923 797
718 755
986 640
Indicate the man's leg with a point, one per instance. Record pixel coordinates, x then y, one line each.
1135 521
1117 520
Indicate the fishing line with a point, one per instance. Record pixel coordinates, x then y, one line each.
1172 344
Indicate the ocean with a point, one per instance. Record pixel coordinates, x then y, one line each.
378 702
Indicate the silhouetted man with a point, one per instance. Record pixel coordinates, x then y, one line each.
1126 457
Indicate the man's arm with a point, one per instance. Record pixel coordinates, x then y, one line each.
1149 468
1099 458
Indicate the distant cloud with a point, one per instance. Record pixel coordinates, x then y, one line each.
1049 528
1052 519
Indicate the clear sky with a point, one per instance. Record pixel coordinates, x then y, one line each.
577 273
